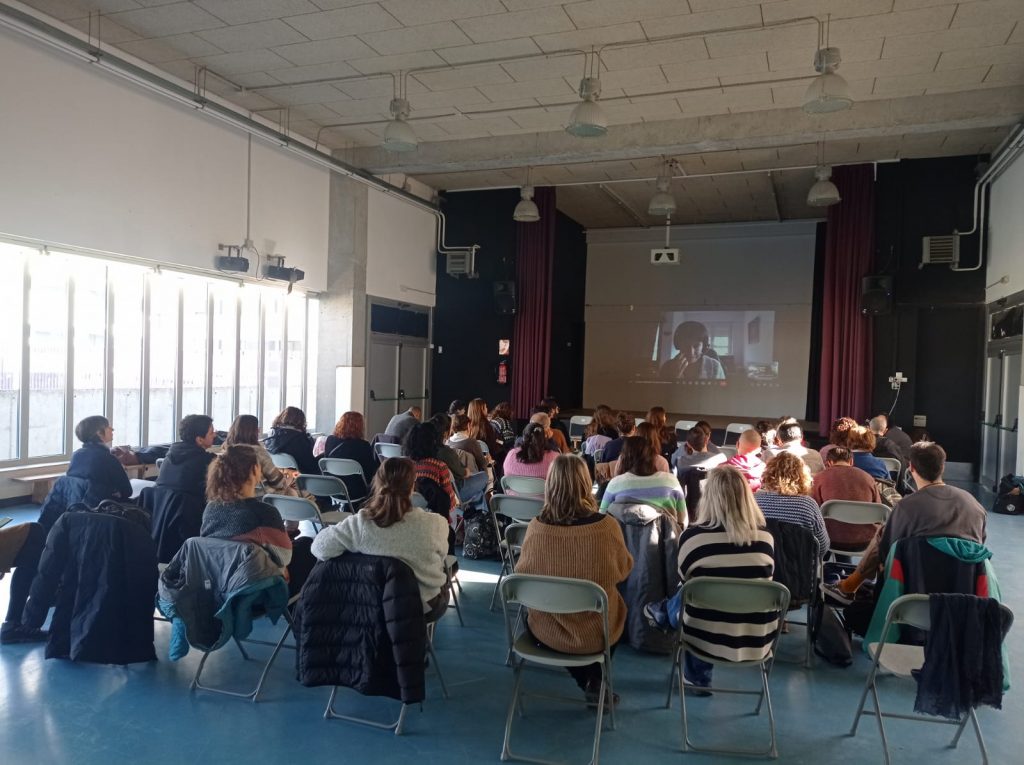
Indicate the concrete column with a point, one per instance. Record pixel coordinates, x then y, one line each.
342 336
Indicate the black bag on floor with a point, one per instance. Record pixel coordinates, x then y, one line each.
1007 502
832 642
481 540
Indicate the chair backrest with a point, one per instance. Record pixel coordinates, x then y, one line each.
728 451
554 594
515 507
284 461
337 466
515 534
797 563
638 421
484 447
473 487
322 485
915 611
737 428
736 596
523 485
858 513
418 500
578 424
386 451
684 426
892 465
293 508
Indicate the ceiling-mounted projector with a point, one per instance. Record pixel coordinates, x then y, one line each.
233 262
276 269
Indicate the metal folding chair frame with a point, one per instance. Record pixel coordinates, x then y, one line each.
506 553
380 447
581 590
737 428
764 666
912 610
508 484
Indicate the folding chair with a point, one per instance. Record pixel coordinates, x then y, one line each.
451 573
855 513
638 421
555 595
578 426
520 509
484 448
731 596
298 509
418 500
902 661
894 467
326 486
387 451
523 486
737 428
684 426
728 451
341 468
284 461
789 539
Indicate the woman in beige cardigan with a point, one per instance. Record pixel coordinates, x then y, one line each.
570 538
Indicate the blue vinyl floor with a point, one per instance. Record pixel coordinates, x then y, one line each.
58 712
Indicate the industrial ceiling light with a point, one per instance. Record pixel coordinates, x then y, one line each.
828 92
588 119
399 135
663 203
526 211
823 193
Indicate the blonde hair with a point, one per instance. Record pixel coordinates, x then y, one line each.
726 501
787 474
568 491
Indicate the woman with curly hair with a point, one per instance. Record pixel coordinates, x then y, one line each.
785 496
348 441
837 436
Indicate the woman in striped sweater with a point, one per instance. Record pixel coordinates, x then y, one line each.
234 512
729 539
785 496
641 481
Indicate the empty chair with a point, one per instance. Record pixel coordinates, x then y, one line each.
578 425
907 660
866 515
518 509
736 428
387 451
284 461
555 595
326 487
523 486
683 427
894 466
342 468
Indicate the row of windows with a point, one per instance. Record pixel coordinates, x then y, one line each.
86 336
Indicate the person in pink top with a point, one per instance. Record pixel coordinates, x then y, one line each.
533 458
746 459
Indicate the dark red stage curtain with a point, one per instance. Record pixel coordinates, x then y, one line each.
531 338
846 339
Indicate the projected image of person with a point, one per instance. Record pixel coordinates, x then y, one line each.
696 360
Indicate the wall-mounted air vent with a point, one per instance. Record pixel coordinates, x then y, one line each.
460 263
943 250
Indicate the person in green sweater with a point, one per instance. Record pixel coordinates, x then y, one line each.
641 482
571 539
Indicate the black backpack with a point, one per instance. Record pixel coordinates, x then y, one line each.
1007 502
481 538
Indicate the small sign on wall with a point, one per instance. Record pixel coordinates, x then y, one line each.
665 256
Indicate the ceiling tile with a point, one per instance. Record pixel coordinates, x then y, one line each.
773 13
652 54
61 9
398 62
443 34
344 21
516 90
525 5
159 49
777 38
882 25
648 77
916 84
248 37
546 67
962 59
704 22
584 39
375 87
416 12
462 54
166 20
465 77
1006 74
243 61
504 26
788 59
599 13
315 72
462 98
994 11
945 39
716 67
246 11
325 51
361 108
109 32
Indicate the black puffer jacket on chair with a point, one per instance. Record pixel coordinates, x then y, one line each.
360 625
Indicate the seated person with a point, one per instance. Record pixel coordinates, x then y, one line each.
20 548
449 456
695 360
389 525
481 429
571 539
694 453
421 445
502 420
747 459
641 481
555 436
840 480
649 433
348 442
245 431
553 409
625 423
667 437
400 425
461 441
95 463
458 406
896 435
790 438
288 436
837 436
884 446
767 429
933 510
235 512
785 496
184 468
542 419
861 442
729 539
532 458
706 427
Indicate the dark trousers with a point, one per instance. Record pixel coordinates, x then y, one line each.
301 564
588 677
25 565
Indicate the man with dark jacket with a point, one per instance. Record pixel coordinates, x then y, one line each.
885 446
400 425
895 435
184 468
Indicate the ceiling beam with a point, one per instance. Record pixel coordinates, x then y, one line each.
983 108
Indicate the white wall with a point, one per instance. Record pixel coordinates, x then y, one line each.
92 161
401 261
1006 232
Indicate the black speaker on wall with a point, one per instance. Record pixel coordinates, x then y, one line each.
505 297
876 295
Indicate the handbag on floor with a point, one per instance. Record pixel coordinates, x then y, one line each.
832 641
1009 496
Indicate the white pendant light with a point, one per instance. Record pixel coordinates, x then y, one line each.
823 193
526 211
828 92
663 203
588 119
399 135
